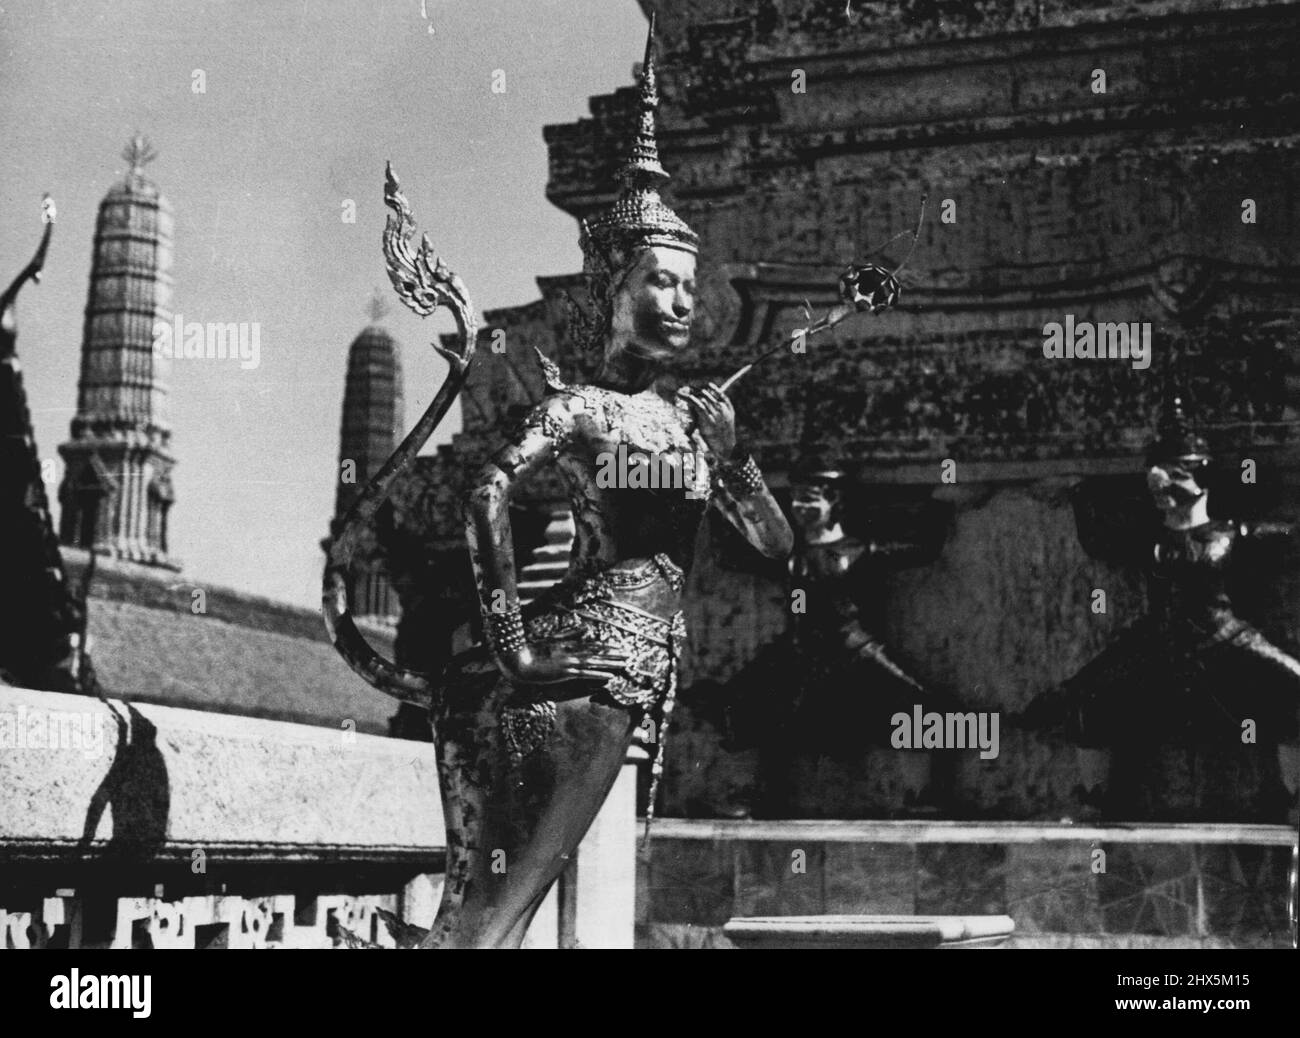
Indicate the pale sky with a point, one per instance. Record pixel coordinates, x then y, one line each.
304 102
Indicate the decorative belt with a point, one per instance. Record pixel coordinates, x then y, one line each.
639 576
592 614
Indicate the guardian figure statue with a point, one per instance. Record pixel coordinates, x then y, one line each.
532 726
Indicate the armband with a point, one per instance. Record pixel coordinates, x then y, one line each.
505 630
740 479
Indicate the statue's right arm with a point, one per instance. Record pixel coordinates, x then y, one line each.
547 430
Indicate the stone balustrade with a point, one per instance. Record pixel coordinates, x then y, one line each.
126 826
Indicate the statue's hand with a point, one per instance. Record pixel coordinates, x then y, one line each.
537 665
715 416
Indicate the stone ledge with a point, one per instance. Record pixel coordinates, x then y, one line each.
981 832
870 931
28 851
156 782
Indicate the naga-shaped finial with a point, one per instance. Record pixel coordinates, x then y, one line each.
424 283
31 272
420 279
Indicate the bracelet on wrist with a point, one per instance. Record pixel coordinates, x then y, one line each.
741 478
505 630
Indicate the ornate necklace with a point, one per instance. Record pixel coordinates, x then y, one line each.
644 421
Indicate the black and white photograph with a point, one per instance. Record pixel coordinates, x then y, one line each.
652 475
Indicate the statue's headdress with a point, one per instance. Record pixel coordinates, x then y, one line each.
1176 436
639 218
815 473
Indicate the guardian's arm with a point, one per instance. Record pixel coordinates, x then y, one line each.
546 430
740 494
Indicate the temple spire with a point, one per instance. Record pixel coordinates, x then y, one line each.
120 444
373 417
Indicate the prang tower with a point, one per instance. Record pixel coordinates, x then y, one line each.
372 427
119 454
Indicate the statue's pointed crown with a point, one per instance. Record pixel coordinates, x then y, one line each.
639 217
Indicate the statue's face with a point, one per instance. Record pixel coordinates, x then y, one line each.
1175 486
653 307
811 504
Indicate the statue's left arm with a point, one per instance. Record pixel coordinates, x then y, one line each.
739 491
740 494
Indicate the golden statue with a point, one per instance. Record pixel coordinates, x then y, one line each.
532 726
